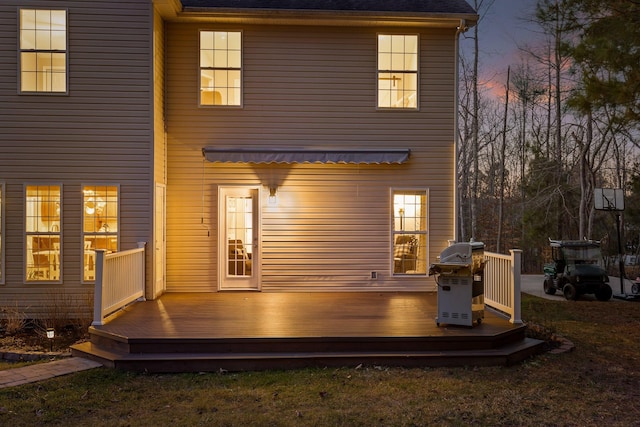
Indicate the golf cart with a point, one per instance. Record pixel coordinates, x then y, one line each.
576 270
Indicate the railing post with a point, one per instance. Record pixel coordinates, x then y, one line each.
98 293
516 260
143 245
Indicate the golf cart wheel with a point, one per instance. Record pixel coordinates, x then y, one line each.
570 292
549 289
604 293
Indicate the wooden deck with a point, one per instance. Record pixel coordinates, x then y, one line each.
253 330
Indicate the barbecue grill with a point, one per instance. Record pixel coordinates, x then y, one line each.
459 274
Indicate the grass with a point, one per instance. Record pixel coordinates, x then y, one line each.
597 384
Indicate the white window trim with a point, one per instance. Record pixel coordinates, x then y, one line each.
26 234
417 73
83 233
200 68
393 233
66 52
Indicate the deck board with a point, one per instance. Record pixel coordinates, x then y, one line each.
292 315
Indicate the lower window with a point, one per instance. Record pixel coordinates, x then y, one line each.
100 215
42 227
409 234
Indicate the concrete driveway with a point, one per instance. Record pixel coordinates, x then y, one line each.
532 284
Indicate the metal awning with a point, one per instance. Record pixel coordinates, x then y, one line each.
306 155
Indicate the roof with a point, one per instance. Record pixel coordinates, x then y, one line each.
574 243
398 6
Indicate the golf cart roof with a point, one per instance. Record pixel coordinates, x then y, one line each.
574 243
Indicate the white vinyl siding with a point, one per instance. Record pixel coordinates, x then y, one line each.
1 233
101 132
308 87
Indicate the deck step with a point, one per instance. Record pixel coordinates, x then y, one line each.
265 345
505 355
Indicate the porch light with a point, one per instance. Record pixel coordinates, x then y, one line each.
51 333
272 195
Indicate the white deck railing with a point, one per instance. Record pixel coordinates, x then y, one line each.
119 281
502 283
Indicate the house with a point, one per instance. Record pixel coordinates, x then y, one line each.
254 145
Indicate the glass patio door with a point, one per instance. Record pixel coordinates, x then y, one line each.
238 242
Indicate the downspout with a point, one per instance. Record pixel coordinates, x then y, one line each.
456 142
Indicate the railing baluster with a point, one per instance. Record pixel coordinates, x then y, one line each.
502 283
120 280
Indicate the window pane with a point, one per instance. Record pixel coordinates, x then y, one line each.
27 39
220 58
28 19
384 61
28 82
58 40
234 78
58 20
397 43
220 40
43 39
384 43
411 44
397 61
43 19
234 59
29 61
206 40
411 62
206 58
234 96
235 41
220 78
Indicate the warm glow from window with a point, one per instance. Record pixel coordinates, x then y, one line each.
397 71
239 217
100 224
220 67
409 232
42 226
43 50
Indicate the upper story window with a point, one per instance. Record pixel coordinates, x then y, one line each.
100 224
397 71
409 232
43 51
42 229
220 68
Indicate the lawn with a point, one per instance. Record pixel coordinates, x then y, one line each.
596 384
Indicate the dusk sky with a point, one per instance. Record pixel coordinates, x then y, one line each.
502 30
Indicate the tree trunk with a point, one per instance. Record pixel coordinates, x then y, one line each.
503 152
